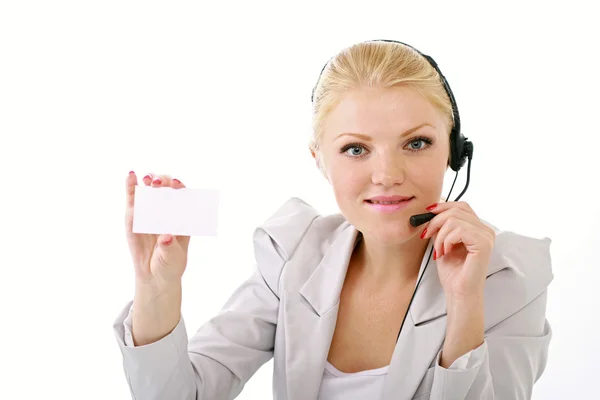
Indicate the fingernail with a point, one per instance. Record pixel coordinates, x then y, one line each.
434 254
157 181
431 207
168 241
131 172
147 177
176 180
423 233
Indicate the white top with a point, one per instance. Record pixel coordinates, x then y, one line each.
338 385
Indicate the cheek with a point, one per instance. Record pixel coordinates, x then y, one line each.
430 170
346 178
426 176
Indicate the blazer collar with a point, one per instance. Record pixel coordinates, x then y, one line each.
312 319
322 289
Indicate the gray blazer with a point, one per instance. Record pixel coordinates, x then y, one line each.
288 308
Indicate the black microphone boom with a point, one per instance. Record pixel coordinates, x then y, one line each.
420 219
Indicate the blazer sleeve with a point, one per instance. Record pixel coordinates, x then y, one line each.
228 349
506 366
514 353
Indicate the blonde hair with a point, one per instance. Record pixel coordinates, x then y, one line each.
379 65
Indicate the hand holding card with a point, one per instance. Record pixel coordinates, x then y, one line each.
160 218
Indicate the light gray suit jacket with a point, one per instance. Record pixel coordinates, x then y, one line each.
288 308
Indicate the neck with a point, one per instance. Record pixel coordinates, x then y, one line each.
381 263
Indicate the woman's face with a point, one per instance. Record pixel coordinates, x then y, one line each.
385 142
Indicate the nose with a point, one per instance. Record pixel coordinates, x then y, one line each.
388 170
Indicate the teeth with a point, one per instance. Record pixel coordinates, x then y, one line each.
385 202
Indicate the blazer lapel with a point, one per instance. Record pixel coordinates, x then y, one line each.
422 335
310 316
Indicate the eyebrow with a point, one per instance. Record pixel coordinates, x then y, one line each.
368 138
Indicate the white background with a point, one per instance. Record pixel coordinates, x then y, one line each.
219 96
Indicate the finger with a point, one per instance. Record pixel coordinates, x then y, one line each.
148 179
447 205
453 238
449 225
471 236
439 220
161 181
164 239
130 184
463 205
156 181
167 180
177 184
169 250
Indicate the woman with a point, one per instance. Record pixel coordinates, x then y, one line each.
329 295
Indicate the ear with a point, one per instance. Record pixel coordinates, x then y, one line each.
315 155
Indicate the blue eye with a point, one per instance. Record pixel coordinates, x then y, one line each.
358 150
424 140
353 147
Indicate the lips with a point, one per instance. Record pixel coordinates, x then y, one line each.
388 206
388 199
386 202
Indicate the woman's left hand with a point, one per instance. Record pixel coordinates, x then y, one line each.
463 247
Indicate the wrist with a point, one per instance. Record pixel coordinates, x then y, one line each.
465 318
465 327
154 295
156 312
465 308
157 287
466 299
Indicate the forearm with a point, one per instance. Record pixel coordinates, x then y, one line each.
156 312
464 328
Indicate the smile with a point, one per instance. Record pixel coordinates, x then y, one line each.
388 206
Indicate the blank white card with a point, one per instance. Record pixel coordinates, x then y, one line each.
186 211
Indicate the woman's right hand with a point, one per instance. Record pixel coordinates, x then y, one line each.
159 260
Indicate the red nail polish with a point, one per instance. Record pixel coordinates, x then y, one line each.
176 180
434 254
431 207
423 233
147 177
157 181
131 172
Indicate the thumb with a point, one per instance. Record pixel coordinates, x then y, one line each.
169 250
165 240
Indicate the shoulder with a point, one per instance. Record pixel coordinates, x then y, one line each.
520 270
294 222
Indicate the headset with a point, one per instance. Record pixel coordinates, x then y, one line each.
461 149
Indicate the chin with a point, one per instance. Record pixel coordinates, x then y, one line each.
391 235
